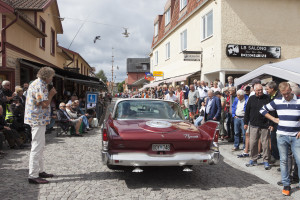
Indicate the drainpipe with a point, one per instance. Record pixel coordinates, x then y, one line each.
3 37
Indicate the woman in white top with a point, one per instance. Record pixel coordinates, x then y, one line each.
215 88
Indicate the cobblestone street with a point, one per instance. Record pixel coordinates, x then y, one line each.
76 162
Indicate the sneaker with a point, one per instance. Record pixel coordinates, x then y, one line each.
266 165
251 163
286 190
243 155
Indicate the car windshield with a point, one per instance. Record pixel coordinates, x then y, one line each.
148 110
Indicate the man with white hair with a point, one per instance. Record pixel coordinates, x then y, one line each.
259 126
238 113
37 115
213 107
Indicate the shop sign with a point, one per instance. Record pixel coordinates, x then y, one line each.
158 73
192 55
150 78
148 74
251 51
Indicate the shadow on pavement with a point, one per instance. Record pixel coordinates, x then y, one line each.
204 177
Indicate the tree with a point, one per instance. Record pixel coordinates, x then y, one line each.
102 76
120 86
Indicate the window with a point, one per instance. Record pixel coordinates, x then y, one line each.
156 29
183 4
168 17
52 42
144 67
207 25
156 58
43 29
167 50
183 40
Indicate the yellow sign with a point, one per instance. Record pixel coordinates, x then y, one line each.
158 73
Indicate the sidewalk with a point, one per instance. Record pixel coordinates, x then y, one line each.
271 176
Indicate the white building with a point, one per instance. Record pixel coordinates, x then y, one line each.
215 27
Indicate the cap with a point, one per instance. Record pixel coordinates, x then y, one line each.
255 81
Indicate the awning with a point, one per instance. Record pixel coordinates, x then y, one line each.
67 75
140 82
24 62
288 70
84 82
154 84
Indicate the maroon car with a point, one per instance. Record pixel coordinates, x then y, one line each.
149 132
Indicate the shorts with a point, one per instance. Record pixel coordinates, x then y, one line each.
74 121
192 108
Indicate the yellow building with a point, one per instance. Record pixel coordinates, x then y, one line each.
196 38
29 41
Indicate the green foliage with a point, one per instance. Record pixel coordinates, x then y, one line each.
120 86
102 76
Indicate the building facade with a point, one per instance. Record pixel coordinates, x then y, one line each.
195 38
136 69
29 42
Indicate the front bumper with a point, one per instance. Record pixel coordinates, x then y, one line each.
178 159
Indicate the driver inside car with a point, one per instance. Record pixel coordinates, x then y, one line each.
126 112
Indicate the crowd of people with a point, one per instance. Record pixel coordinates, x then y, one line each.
262 118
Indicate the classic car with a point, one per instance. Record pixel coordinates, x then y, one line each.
152 132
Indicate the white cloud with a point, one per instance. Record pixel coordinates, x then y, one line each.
136 15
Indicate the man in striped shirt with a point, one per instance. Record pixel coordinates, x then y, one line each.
288 131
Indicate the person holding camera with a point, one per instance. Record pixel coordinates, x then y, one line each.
37 115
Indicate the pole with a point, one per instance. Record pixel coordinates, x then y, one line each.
112 70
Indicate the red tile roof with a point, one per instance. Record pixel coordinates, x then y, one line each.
177 16
28 4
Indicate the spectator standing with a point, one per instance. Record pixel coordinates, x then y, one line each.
222 119
171 97
37 115
213 107
180 95
193 100
202 89
288 131
238 113
230 124
185 90
25 88
230 82
274 93
258 126
215 88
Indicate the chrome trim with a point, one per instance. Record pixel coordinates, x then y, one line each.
143 159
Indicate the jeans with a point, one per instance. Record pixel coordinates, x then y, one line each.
283 143
198 121
230 125
274 148
85 122
238 129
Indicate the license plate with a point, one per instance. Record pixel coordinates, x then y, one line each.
160 147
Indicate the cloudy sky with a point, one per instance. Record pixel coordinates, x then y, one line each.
106 18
